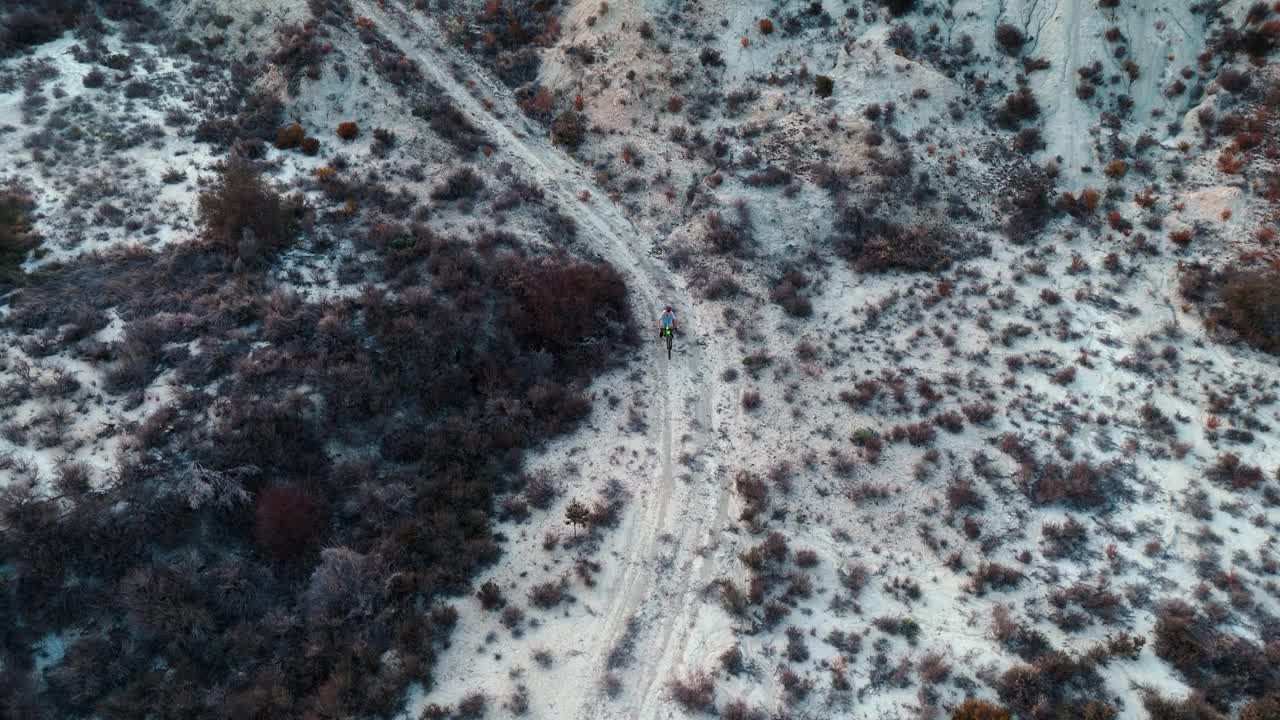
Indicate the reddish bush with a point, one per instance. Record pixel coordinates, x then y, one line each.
766 26
290 136
974 709
287 520
348 130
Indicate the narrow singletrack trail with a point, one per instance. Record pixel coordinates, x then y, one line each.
662 573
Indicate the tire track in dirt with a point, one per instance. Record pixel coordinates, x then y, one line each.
671 514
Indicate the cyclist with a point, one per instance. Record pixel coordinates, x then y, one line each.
667 325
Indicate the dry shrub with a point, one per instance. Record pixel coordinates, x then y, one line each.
1019 107
961 493
287 520
899 8
460 184
1116 169
1267 708
569 129
789 293
16 236
1054 679
994 575
1010 38
1228 471
1252 307
1223 665
451 124
876 245
1192 707
1080 484
490 596
564 305
766 26
244 216
290 136
975 709
739 710
348 130
979 413
694 692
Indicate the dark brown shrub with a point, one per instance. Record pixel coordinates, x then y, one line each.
568 129
287 520
899 8
823 86
974 709
310 146
695 692
1018 107
449 123
243 216
348 130
1066 539
1233 81
16 235
995 575
460 184
979 413
1228 471
473 706
490 596
1010 38
290 136
549 594
1267 708
1252 307
962 494
1189 708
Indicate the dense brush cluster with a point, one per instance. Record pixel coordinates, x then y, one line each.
282 548
29 23
16 236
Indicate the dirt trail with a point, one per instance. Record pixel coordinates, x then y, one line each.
659 581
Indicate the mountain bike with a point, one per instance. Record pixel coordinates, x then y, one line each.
669 334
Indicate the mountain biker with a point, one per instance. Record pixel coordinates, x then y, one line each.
667 322
667 327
